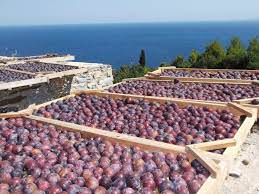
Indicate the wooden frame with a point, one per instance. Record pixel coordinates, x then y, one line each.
245 102
157 74
217 164
233 107
209 70
217 167
38 77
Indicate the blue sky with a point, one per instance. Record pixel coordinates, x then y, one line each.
38 12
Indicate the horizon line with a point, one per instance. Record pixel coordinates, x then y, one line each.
129 22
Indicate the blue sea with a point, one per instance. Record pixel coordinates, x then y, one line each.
119 44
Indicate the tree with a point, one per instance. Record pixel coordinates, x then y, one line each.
164 64
142 58
194 57
253 53
236 57
178 61
185 64
213 56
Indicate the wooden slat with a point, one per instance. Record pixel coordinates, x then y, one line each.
214 145
205 161
14 114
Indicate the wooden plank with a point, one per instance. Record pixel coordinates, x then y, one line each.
93 91
207 162
114 137
214 145
14 114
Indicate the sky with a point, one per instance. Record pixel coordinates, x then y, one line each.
51 12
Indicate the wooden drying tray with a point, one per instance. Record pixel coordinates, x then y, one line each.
192 79
233 107
50 74
217 167
39 78
21 83
209 70
157 75
224 161
246 102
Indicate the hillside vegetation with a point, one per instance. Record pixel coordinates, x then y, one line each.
235 56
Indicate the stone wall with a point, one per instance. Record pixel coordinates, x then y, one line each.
21 97
98 76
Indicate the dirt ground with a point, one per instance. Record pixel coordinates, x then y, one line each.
248 182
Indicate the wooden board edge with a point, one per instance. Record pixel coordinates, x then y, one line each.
214 145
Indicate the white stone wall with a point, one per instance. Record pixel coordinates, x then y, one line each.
98 76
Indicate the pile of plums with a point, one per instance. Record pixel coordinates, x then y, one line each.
217 74
161 122
192 90
39 158
39 57
9 76
35 67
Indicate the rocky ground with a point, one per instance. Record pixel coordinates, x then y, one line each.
247 166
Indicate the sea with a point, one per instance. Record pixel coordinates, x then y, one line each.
119 44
